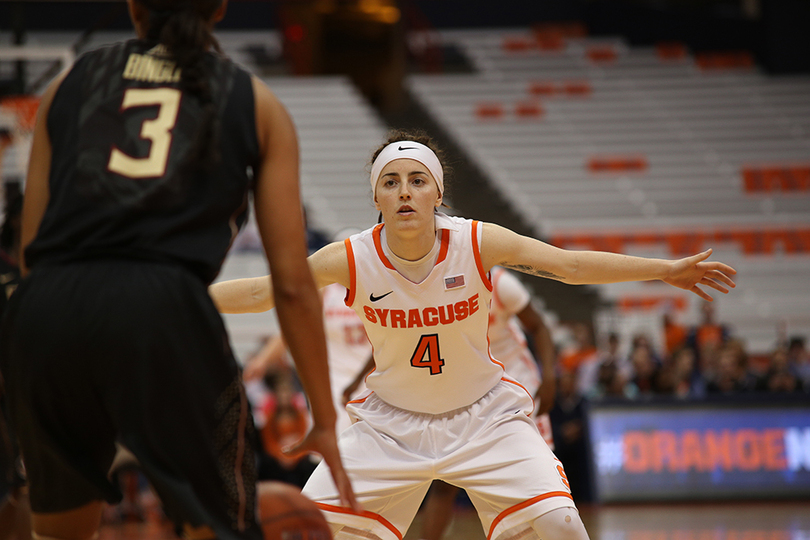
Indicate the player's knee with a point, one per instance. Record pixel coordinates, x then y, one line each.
560 524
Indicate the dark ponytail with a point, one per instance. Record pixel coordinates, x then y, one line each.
183 27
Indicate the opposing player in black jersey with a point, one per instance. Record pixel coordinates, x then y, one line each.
143 157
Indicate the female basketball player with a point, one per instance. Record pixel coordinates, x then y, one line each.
440 407
143 157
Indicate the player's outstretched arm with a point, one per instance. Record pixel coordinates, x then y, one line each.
247 295
255 294
279 215
503 247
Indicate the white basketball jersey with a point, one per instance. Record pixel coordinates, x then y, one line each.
346 341
508 343
506 338
430 339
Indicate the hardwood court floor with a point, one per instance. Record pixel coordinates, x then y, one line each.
783 520
677 521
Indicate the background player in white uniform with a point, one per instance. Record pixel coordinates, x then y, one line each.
440 406
347 347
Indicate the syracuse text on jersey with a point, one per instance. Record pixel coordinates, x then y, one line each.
429 316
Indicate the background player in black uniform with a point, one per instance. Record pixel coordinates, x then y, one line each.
142 160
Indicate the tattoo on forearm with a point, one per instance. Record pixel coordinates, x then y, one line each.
526 269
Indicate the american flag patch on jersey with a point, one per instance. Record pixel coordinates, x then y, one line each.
453 282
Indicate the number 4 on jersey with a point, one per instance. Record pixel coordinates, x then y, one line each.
427 355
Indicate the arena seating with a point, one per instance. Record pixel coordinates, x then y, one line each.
647 150
644 150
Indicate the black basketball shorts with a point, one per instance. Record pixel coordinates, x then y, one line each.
134 352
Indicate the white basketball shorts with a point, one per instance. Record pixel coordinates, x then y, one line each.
491 449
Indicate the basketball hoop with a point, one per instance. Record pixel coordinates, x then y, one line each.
18 116
24 109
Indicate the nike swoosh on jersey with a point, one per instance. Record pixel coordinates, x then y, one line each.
375 298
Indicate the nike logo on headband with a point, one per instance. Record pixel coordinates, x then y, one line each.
406 148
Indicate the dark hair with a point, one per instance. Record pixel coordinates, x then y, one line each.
182 26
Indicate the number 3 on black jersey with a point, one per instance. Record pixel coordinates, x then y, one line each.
157 130
428 346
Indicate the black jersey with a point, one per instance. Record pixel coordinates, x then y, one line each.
121 182
9 278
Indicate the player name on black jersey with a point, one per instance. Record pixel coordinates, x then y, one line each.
150 67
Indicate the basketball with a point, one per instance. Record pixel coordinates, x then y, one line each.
286 514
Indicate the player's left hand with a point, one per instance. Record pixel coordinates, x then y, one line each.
692 271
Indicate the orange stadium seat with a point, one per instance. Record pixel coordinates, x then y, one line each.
685 243
529 109
572 29
608 242
25 109
600 164
680 243
543 88
671 50
645 238
577 88
550 41
776 178
632 303
489 111
602 54
518 44
708 61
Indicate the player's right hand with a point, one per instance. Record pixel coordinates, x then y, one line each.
323 441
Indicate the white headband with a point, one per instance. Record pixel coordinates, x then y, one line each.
407 150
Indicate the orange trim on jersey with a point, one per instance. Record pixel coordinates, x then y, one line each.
362 400
495 276
378 245
349 300
445 245
525 504
363 513
477 254
489 352
504 379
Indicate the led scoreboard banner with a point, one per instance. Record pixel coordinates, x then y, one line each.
746 448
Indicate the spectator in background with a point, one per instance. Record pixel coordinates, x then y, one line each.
687 381
732 375
782 376
611 382
568 426
706 339
286 423
644 366
582 359
674 334
800 359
